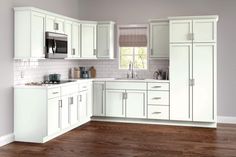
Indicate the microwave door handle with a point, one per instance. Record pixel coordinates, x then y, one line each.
54 46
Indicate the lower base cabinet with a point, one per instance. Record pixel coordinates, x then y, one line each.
115 103
136 104
53 115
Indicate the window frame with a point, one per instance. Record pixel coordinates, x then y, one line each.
118 46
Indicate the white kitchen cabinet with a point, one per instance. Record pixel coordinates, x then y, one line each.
29 45
75 53
88 41
105 40
54 24
115 103
54 115
159 39
99 99
89 101
135 104
73 109
82 101
68 32
204 30
180 101
181 31
203 88
65 112
193 71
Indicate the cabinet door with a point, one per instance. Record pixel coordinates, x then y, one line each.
115 103
53 116
136 104
37 37
103 42
159 40
89 101
65 120
75 40
181 31
88 38
204 30
98 98
203 89
50 26
82 101
68 32
73 109
180 101
59 25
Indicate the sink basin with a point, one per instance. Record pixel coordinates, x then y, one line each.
130 78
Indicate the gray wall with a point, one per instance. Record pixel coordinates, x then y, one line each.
139 11
65 7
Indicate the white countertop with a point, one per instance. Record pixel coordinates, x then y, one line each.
45 86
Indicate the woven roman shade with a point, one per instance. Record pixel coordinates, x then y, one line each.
132 36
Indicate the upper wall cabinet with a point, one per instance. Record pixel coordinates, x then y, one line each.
29 34
159 39
192 30
105 40
54 24
88 41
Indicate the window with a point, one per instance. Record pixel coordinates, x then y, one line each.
133 46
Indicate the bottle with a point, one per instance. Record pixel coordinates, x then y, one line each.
93 72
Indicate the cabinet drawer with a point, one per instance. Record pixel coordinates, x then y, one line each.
158 112
70 89
158 86
54 92
83 86
126 85
158 97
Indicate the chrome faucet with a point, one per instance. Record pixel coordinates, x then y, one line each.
131 71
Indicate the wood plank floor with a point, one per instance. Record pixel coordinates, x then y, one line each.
103 139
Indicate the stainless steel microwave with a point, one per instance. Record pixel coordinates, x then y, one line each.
56 45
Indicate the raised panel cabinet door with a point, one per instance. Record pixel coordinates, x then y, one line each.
103 37
181 31
82 101
65 119
180 74
53 116
115 103
204 30
88 41
99 99
159 40
50 25
68 32
203 89
136 104
37 35
73 109
75 40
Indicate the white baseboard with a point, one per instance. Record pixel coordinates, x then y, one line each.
6 139
226 120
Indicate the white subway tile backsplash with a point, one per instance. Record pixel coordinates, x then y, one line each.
36 70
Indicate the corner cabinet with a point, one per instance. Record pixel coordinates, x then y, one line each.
88 40
193 69
105 40
159 39
28 44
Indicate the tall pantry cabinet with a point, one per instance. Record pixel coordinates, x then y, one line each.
193 68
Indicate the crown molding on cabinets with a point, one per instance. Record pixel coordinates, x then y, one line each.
216 17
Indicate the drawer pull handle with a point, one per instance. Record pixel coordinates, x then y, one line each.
156 112
156 98
156 87
55 92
